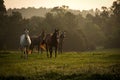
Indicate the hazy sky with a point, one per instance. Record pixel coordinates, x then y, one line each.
73 4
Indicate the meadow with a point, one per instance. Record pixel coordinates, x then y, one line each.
90 65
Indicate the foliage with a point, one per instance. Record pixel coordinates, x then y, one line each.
2 8
82 33
113 40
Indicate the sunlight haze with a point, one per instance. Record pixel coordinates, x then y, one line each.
73 4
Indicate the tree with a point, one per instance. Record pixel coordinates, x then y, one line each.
116 9
60 10
2 7
116 12
113 40
105 12
3 23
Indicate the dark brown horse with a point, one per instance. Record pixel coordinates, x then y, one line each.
37 41
61 40
52 41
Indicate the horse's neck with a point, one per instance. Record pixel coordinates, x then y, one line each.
26 36
42 36
25 40
54 36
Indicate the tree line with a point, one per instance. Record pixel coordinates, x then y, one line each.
101 30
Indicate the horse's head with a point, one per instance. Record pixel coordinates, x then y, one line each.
62 35
56 33
41 36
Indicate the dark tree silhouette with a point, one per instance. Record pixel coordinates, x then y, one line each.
2 7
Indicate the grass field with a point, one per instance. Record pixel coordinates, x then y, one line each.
93 65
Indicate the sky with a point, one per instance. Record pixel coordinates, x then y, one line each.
73 4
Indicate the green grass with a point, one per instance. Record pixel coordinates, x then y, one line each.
93 65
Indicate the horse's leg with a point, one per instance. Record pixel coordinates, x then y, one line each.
38 47
47 50
24 52
41 50
51 50
61 48
27 51
31 48
56 48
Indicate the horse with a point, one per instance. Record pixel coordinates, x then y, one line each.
25 42
52 40
61 39
37 41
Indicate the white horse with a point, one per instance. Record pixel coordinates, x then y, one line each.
25 42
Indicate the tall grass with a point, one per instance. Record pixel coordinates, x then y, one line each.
93 65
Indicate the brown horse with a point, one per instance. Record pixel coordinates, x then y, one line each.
52 41
37 41
61 40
